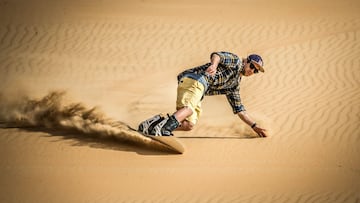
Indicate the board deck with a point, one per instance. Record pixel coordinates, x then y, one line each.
169 142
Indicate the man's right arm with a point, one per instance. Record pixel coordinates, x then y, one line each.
227 59
215 60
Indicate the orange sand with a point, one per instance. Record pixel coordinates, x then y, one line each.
123 57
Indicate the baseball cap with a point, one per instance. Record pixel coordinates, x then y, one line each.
257 61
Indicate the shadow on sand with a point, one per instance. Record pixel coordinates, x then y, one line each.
96 141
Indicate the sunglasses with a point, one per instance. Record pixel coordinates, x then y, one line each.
252 66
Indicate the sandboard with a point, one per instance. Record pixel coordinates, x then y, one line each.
170 142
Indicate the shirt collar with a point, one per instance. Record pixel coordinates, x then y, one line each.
241 64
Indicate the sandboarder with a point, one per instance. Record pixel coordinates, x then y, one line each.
221 76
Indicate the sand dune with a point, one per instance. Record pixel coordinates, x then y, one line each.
117 61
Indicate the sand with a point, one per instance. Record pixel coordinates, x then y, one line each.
77 72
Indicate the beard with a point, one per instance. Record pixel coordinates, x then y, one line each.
243 71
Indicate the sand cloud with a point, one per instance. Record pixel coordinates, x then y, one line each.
52 111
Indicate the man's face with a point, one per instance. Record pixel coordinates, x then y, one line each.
248 71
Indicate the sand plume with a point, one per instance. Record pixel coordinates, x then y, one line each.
53 112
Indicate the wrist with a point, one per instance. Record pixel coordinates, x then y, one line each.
253 125
215 60
214 64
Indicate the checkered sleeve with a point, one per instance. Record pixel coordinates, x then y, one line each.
234 100
227 59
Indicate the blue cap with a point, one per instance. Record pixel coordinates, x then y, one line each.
257 61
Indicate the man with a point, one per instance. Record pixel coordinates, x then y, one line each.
221 76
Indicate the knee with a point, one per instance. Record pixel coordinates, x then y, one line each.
187 126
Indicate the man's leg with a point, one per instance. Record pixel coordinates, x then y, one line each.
185 126
175 122
189 95
190 121
181 114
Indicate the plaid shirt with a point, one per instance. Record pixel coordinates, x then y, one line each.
226 80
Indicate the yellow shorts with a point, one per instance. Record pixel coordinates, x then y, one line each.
189 94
